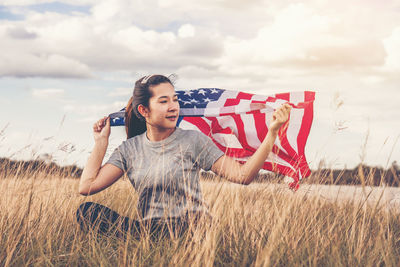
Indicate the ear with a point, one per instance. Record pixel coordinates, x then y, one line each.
143 110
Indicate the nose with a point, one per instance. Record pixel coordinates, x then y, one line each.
173 106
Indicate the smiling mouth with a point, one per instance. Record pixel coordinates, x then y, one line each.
171 117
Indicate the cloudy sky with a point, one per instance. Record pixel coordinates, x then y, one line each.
63 64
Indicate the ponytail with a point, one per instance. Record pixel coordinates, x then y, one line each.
135 123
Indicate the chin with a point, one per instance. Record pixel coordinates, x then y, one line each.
172 126
168 126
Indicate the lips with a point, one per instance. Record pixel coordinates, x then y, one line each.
171 117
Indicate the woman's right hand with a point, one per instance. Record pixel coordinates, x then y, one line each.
102 129
95 177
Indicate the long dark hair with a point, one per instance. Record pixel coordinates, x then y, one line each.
135 123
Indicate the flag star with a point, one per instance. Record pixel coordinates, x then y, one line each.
214 91
189 93
201 91
207 100
186 102
194 101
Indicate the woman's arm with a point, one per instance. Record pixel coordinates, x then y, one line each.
245 173
95 178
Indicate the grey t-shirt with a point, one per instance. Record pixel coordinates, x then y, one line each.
166 173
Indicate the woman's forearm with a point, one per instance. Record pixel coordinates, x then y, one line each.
250 169
245 173
93 165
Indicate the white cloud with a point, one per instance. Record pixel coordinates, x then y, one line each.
186 31
94 110
22 2
81 44
28 65
392 46
20 33
36 2
121 92
48 93
119 35
299 39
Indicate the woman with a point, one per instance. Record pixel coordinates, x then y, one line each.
162 162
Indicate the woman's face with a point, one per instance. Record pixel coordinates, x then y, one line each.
163 108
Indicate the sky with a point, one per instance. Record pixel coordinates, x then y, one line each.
64 64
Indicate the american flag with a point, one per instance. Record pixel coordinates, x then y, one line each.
238 122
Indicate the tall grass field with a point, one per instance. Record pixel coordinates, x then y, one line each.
257 225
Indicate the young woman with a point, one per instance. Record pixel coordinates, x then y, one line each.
162 162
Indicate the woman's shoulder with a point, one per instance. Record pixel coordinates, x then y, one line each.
133 141
190 133
194 137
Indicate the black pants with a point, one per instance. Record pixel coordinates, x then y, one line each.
99 218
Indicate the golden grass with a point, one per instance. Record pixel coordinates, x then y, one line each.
252 225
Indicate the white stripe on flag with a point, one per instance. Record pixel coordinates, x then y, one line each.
227 140
228 122
215 108
243 106
296 97
251 131
259 98
274 159
222 99
188 126
296 117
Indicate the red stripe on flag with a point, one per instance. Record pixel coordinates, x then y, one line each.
200 123
242 134
235 101
261 125
305 131
284 96
216 128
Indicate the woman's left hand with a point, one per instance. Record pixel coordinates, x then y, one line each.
280 116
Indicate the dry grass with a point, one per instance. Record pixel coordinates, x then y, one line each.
257 225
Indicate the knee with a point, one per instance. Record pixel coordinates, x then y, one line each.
83 210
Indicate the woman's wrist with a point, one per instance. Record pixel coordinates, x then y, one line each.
273 131
101 142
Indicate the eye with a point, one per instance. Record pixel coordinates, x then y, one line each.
163 101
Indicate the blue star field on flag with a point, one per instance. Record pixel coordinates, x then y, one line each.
117 118
198 98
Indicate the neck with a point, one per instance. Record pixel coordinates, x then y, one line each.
155 134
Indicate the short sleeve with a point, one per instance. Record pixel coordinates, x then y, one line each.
118 159
207 152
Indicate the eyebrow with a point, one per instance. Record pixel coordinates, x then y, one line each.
164 96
